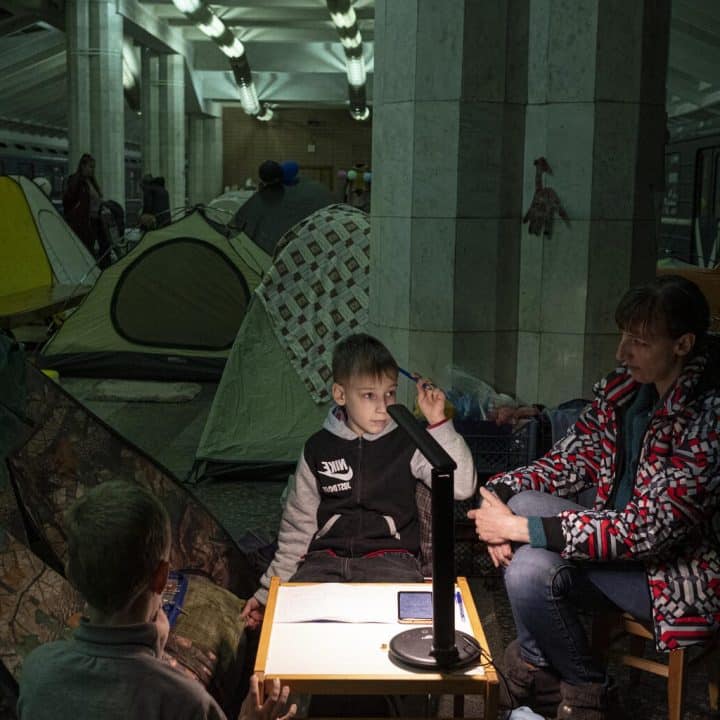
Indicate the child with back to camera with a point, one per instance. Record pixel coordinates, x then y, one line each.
118 558
351 513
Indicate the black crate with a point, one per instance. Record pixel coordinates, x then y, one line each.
495 449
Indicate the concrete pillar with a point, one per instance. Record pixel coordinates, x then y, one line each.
149 106
204 158
107 101
171 103
77 24
213 143
596 99
448 129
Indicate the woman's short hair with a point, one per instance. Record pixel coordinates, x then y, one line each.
118 534
670 304
362 355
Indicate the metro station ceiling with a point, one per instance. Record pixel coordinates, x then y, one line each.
295 56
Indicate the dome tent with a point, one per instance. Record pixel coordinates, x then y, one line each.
168 309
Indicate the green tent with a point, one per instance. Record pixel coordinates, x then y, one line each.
274 392
171 308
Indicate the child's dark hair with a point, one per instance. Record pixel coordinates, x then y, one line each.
669 304
362 355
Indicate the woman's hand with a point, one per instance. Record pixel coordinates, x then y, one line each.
500 554
496 524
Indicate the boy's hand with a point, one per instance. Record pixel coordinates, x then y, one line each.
272 707
253 612
431 400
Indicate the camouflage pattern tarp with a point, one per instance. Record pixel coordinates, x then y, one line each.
36 603
71 450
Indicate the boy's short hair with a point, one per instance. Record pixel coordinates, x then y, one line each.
118 534
362 355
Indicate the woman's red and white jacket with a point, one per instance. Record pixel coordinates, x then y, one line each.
671 523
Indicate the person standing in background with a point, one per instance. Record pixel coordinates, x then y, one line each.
81 207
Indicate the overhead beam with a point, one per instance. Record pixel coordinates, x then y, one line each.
149 30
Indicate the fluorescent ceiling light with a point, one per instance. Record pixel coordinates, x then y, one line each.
187 6
352 42
215 28
355 71
235 50
344 20
249 99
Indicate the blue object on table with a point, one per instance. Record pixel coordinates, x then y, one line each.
173 596
458 598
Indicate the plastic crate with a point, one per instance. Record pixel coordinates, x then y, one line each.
495 449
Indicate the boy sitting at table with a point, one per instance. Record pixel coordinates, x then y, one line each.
351 513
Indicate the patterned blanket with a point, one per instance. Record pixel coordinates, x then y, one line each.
316 291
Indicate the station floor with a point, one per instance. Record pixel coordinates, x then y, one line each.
170 433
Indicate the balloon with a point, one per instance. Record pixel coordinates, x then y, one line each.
352 174
342 174
367 177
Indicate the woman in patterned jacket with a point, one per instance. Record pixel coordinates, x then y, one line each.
620 511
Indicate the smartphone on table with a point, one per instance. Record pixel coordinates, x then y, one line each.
415 606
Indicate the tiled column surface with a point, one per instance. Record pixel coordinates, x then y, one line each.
449 92
204 158
77 33
596 96
171 87
149 105
107 101
213 144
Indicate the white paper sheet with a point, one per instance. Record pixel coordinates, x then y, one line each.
338 602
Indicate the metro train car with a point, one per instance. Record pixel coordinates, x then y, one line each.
46 156
690 221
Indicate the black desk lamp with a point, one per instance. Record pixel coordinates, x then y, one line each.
443 648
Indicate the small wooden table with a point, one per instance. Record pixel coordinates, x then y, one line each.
20 308
336 658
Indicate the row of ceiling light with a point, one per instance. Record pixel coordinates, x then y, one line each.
343 17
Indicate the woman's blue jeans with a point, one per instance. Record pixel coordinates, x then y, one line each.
548 593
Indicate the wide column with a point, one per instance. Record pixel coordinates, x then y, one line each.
107 101
77 24
149 105
204 158
448 129
596 112
171 102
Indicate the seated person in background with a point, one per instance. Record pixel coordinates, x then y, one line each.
118 550
351 513
619 513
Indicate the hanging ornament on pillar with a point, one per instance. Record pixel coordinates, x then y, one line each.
545 203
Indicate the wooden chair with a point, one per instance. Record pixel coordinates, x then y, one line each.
605 631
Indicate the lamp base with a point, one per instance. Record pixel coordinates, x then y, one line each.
412 650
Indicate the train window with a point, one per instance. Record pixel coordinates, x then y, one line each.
704 183
707 204
716 213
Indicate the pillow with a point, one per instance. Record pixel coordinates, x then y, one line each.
207 639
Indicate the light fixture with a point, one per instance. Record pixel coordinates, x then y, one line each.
214 29
355 71
343 17
266 114
213 26
234 50
187 6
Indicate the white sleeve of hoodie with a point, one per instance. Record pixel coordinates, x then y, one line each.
455 446
297 527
